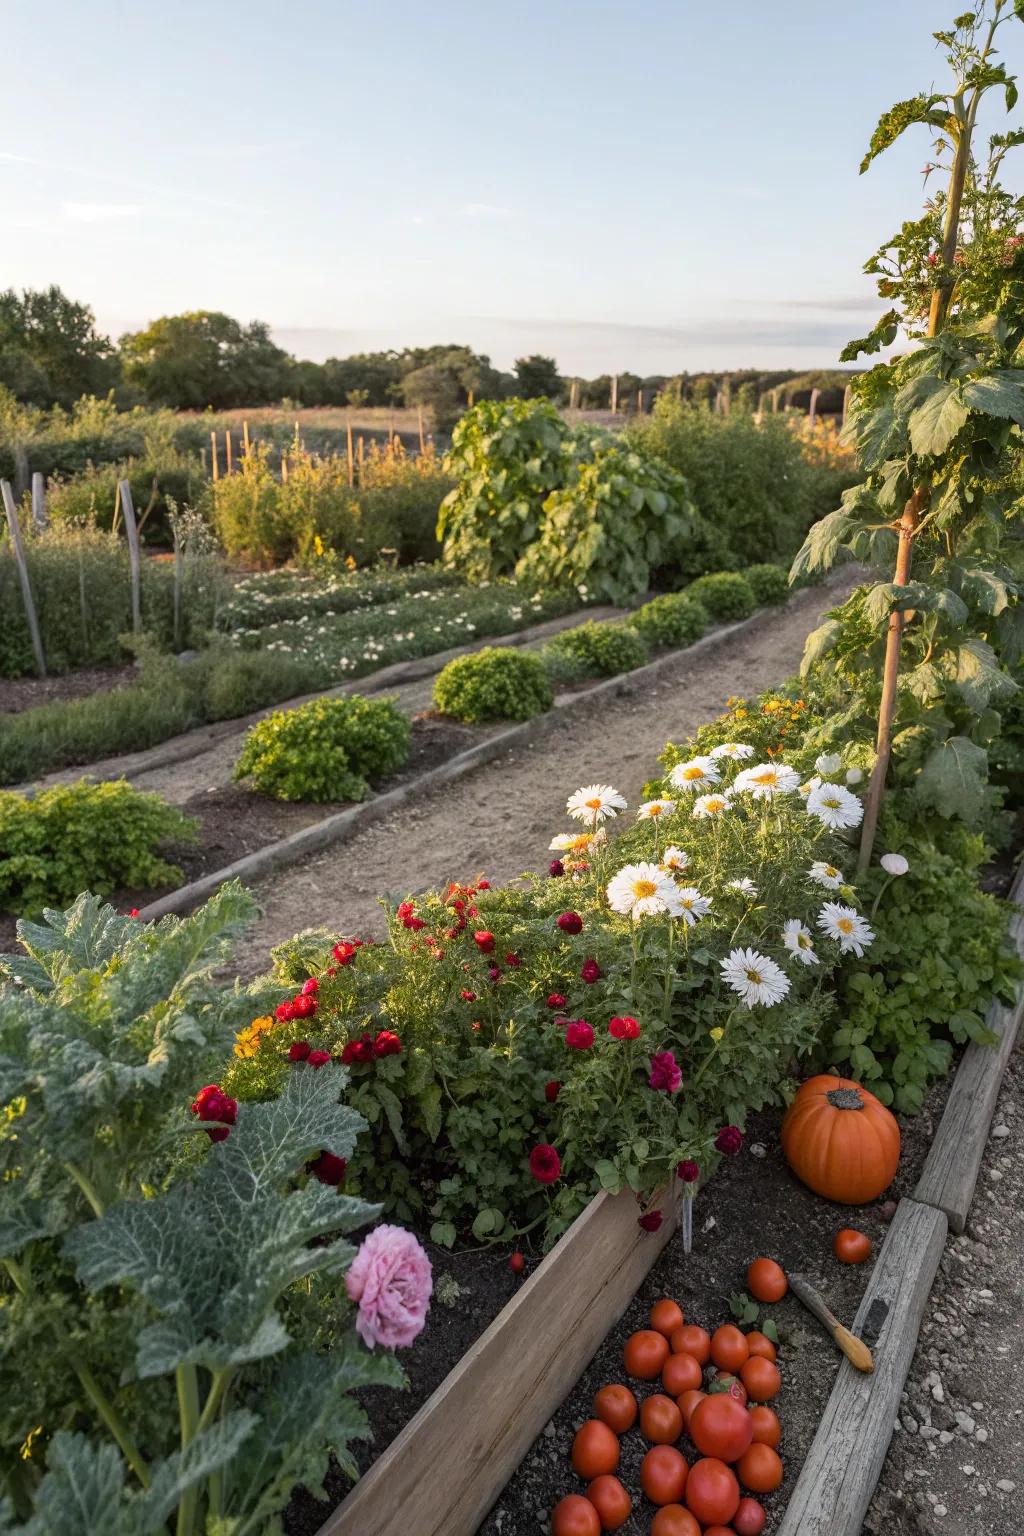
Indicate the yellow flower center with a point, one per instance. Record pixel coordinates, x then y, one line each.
803 941
831 800
845 925
754 976
643 888
693 772
593 805
768 777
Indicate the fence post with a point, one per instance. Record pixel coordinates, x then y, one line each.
846 403
245 438
360 458
38 500
284 466
227 448
351 454
615 393
134 560
179 571
813 408
26 586
423 441
213 454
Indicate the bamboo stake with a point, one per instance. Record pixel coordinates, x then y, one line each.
227 448
134 559
284 466
351 454
179 571
213 454
245 438
360 458
423 444
615 393
846 404
23 576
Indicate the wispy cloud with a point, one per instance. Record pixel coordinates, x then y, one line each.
491 213
100 213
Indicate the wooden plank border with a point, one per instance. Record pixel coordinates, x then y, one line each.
452 1459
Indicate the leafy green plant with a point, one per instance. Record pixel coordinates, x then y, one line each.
768 584
56 843
600 649
328 749
726 595
674 619
148 1271
497 683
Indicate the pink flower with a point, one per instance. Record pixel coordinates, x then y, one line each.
590 971
578 1035
311 986
688 1171
515 961
212 1103
651 1221
391 1281
555 1000
298 1050
729 1140
545 1164
494 972
665 1074
570 922
318 1059
329 1169
624 1028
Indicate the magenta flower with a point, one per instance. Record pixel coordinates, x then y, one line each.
729 1140
570 922
651 1221
688 1171
390 1278
590 971
579 1036
665 1075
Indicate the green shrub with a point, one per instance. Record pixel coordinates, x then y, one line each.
725 594
674 619
619 519
602 650
75 836
328 749
497 683
769 584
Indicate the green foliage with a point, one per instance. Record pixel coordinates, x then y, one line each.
674 619
726 595
50 350
497 683
149 1273
618 520
57 842
768 583
202 359
601 650
506 457
328 749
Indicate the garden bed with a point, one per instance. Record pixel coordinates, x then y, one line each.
20 693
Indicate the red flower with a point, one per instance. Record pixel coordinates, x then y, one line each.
134 912
556 1000
312 986
415 924
665 1073
484 941
624 1028
467 996
284 1012
516 1263
570 922
545 1164
317 1059
556 868
590 971
515 961
387 1043
729 1140
298 1050
494 972
578 1035
212 1103
303 1006
483 885
332 970
358 1050
688 1171
329 1169
344 952
552 1090
651 1221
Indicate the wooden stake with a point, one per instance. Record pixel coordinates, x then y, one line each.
213 453
846 404
284 466
38 500
351 454
134 559
23 577
179 571
227 448
812 411
615 393
423 441
245 438
360 458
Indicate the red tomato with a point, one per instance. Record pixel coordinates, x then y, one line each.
660 1419
516 1263
767 1429
674 1520
760 1344
615 1406
729 1347
645 1354
611 1501
760 1469
691 1340
851 1246
687 1403
666 1317
712 1492
766 1280
575 1516
749 1518
681 1373
720 1426
732 1386
663 1474
595 1450
719 1530
761 1378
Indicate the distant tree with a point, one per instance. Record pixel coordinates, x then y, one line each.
537 376
435 388
50 350
745 398
206 358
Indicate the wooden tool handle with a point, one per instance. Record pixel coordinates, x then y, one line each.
855 1350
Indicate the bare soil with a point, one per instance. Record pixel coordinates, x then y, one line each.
21 693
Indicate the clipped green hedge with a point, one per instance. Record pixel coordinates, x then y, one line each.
600 650
726 595
674 619
328 749
497 683
769 584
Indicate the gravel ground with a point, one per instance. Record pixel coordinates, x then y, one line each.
956 1462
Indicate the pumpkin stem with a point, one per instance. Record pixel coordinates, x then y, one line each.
845 1098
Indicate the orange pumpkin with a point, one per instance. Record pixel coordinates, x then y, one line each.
840 1140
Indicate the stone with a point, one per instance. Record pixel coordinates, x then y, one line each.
1005 1485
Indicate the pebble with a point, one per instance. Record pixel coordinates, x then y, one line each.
966 1423
1000 1132
1005 1485
981 1435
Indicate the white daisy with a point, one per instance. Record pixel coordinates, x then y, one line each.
641 890
746 886
698 773
595 803
674 858
767 780
808 785
835 807
754 977
652 809
894 863
846 925
711 805
827 763
734 749
576 842
693 905
854 775
826 875
799 940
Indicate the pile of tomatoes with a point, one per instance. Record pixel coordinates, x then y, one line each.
713 1396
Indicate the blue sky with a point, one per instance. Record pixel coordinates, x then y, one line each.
654 185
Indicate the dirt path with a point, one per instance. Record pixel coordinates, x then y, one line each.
499 820
956 1462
